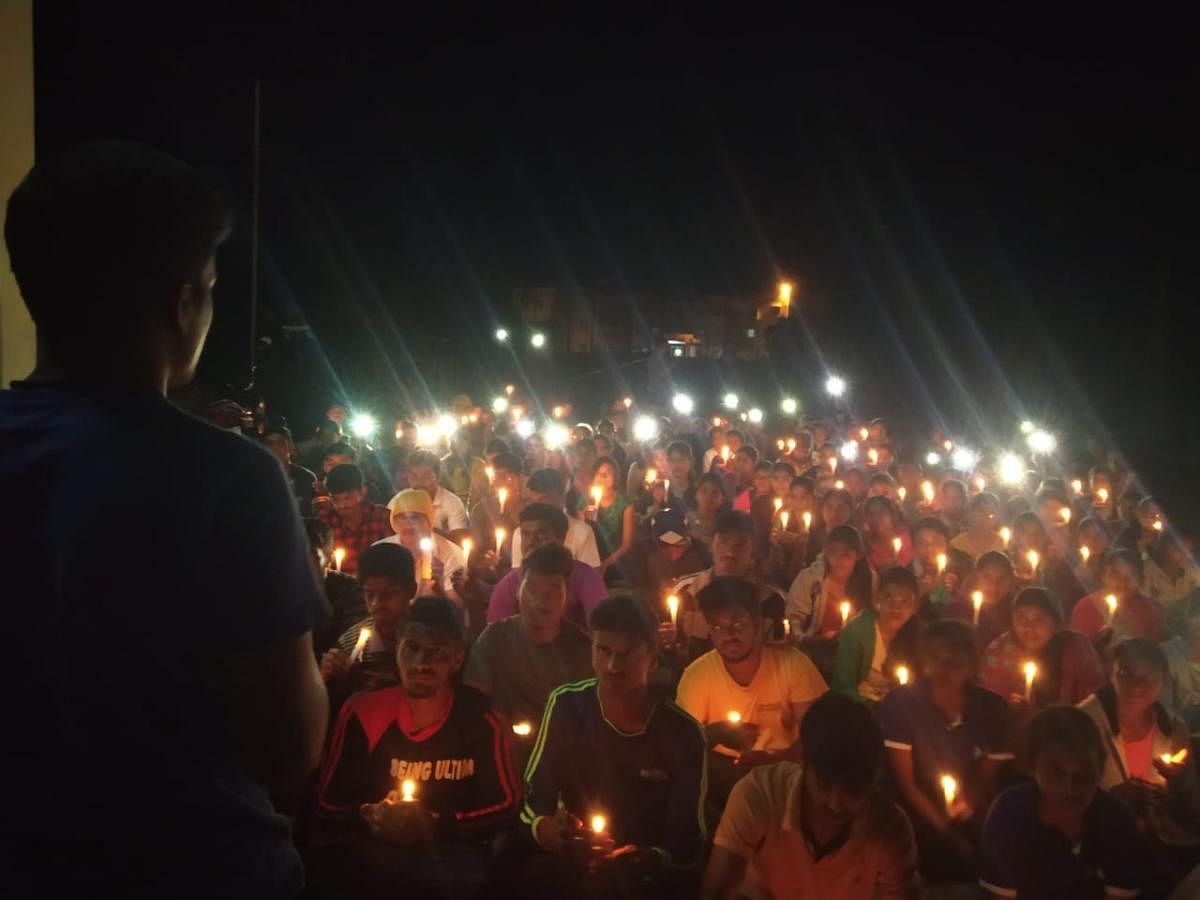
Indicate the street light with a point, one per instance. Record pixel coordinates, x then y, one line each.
502 335
538 340
789 406
683 404
835 385
731 401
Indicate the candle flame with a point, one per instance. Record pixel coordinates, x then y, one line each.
977 599
408 790
949 789
426 545
864 433
897 545
1033 558
502 496
490 472
787 627
873 456
927 490
673 607
1066 515
522 729
783 519
339 556
807 517
981 483
1077 486
780 444
1158 525
778 504
1006 535
840 485
832 464
733 716
941 563
844 608
1030 668
902 493
902 674
599 823
791 445
725 453
628 401
501 534
1174 759
651 476
1085 552
597 494
1111 602
1102 495
467 546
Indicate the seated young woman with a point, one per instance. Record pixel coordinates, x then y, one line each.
888 543
944 725
1068 668
880 640
1119 609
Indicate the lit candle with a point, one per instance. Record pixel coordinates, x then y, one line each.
339 556
628 401
502 496
1102 496
844 608
787 627
522 729
897 546
490 472
733 717
1006 535
673 609
927 491
427 558
840 485
783 520
977 602
1174 759
864 433
902 493
1030 674
408 790
778 504
832 464
949 790
667 486
949 445
1085 552
364 635
725 453
873 456
981 483
1111 602
399 433
791 445
1158 525
599 823
1077 486
941 563
780 444
501 534
557 412
509 389
1066 515
902 674
467 546
807 519
597 495
651 476
1034 559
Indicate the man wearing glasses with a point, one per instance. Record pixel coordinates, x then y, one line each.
748 693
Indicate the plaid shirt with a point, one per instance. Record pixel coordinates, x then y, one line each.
376 524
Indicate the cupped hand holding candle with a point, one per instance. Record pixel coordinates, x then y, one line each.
408 791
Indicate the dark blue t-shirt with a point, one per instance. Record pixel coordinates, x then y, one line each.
141 547
1023 858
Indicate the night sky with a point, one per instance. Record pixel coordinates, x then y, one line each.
991 219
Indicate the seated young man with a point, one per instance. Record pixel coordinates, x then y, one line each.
518 661
544 524
417 778
548 486
750 695
388 578
412 519
1061 836
355 521
608 748
343 594
821 829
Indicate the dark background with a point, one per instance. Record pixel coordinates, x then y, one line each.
990 219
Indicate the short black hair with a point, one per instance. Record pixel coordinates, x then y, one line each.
847 536
901 577
101 237
344 478
387 561
726 591
749 451
1130 557
338 449
586 443
735 433
1140 649
546 481
785 467
885 502
549 559
982 499
550 515
995 558
954 634
803 481
438 615
496 445
425 458
764 465
1041 598
931 523
956 485
843 743
734 522
682 447
509 462
625 615
1066 726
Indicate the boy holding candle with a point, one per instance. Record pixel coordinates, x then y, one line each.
940 571
1135 614
424 473
355 521
444 739
607 746
944 724
489 514
879 639
412 518
821 829
547 486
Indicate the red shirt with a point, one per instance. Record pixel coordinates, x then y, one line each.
1137 616
883 555
376 524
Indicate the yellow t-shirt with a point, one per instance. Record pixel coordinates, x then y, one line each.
785 677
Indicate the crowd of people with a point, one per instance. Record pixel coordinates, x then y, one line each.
696 657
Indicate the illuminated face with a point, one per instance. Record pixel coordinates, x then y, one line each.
780 481
1030 536
387 602
708 498
762 483
680 466
879 521
946 666
536 533
735 633
879 489
929 544
840 560
1138 684
731 554
584 456
411 527
996 582
346 502
605 477
510 481
423 478
718 438
834 803
337 413
1148 514
735 443
953 500
1067 779
622 662
856 483
535 450
896 606
801 497
543 599
743 465
835 511
427 659
1119 578
984 518
1033 628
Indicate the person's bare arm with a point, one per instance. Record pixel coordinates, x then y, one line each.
276 712
723 875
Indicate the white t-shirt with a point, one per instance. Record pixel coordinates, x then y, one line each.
449 514
581 541
448 552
